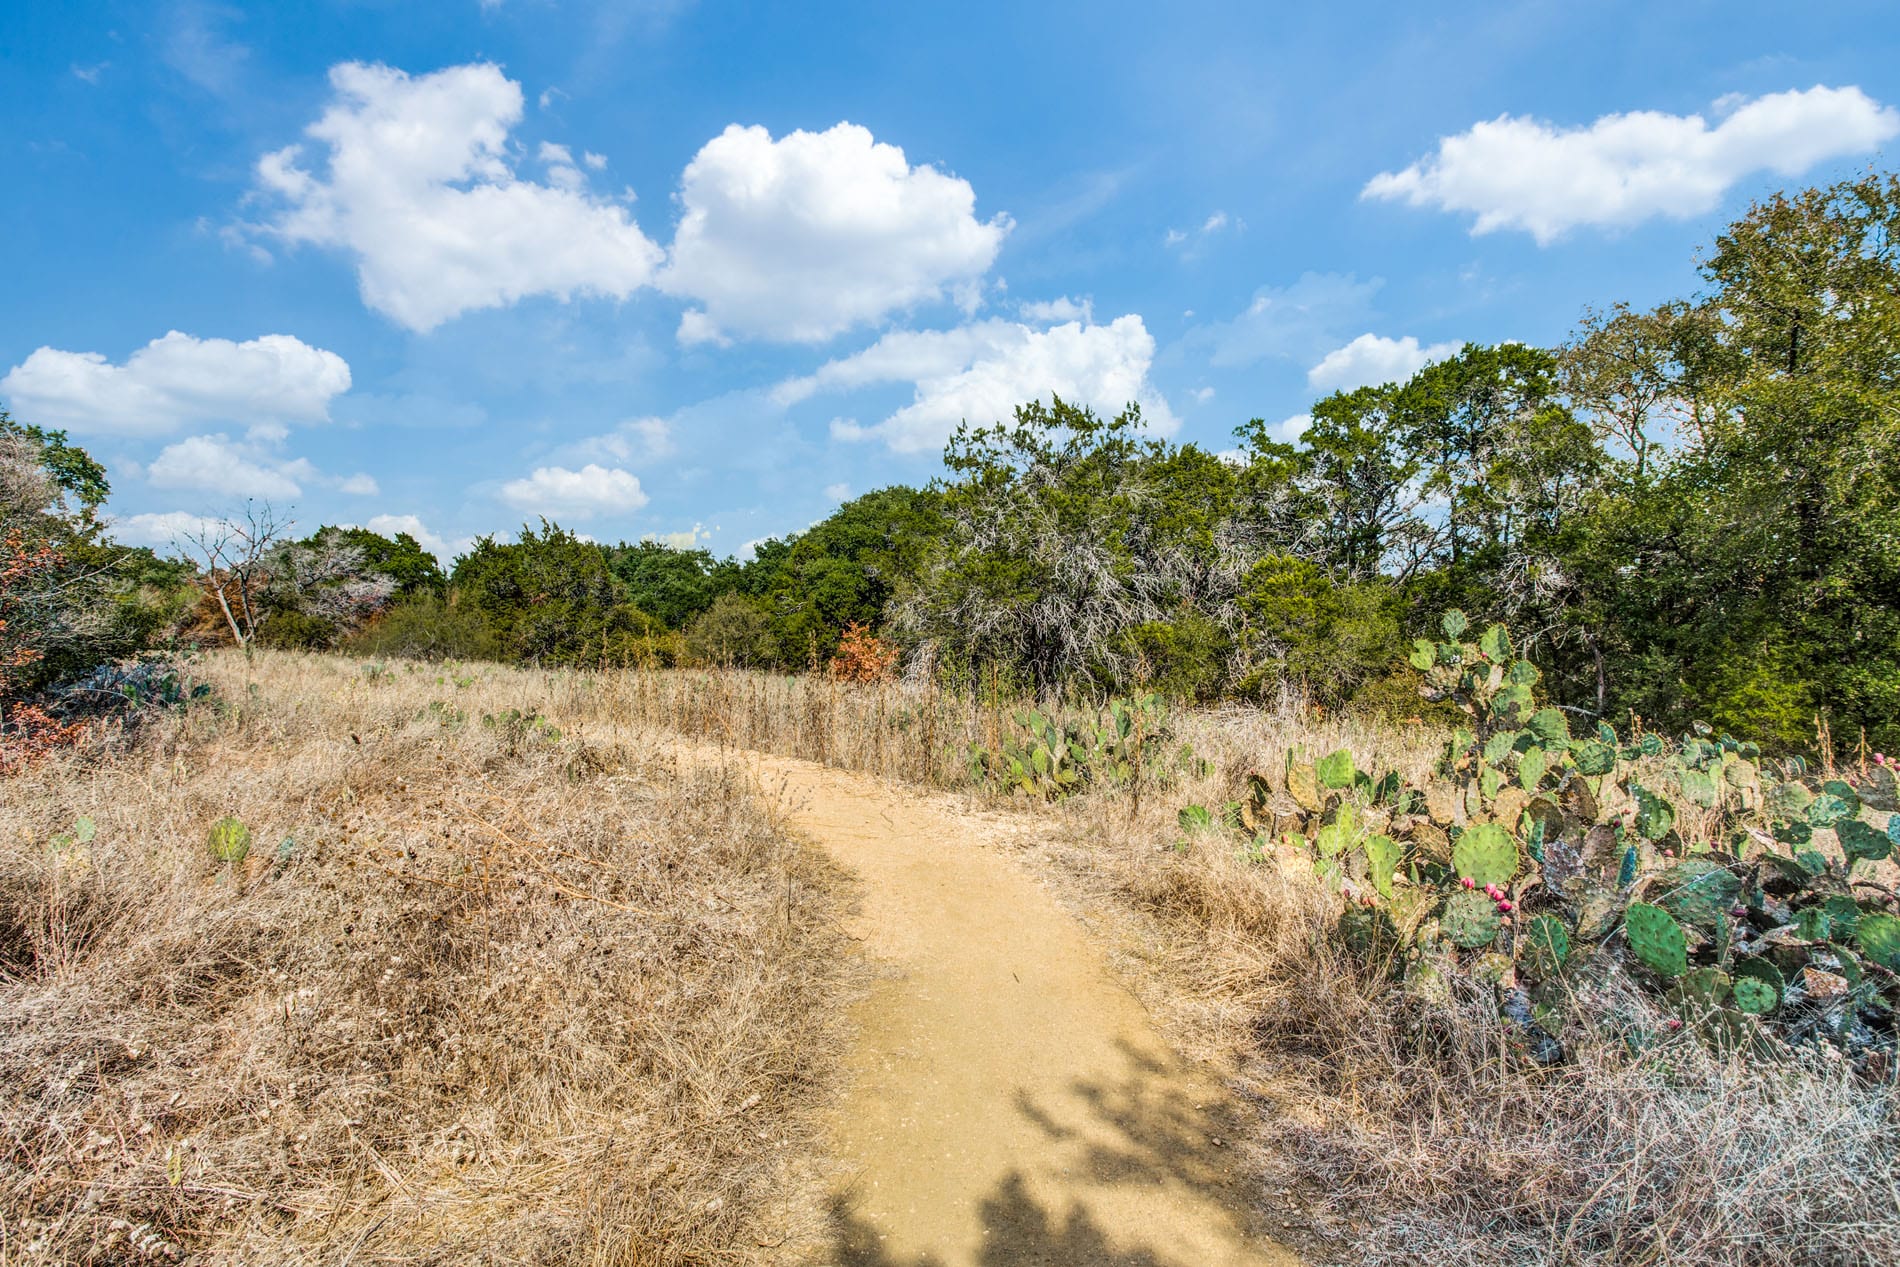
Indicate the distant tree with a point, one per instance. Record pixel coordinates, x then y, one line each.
843 570
235 554
666 583
733 632
325 587
551 598
401 558
1064 532
83 600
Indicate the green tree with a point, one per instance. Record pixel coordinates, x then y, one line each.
550 598
843 569
672 585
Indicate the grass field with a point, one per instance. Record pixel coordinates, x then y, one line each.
476 993
499 980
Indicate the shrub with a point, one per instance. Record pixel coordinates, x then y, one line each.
733 631
862 656
429 628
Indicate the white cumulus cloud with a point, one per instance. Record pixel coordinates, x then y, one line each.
560 493
177 381
160 529
982 371
1521 173
636 440
803 237
1371 359
251 467
416 184
393 525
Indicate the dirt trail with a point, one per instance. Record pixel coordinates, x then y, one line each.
1011 1104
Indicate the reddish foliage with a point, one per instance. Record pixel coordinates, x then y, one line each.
862 656
26 732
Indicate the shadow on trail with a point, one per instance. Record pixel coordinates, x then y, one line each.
1131 1144
1017 1233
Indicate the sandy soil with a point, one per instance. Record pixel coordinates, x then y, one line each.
1009 1102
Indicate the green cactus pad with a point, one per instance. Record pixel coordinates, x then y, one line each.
1514 704
1545 946
1626 869
1879 939
1335 837
1424 654
1759 988
1195 818
1827 809
1530 769
1755 996
1698 890
1788 800
1495 642
1843 916
1795 833
1335 770
1699 788
1383 856
1485 854
1522 673
1858 841
1655 817
1657 939
1551 727
1844 790
1470 919
229 840
1593 757
1454 624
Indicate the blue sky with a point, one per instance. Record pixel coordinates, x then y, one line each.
701 271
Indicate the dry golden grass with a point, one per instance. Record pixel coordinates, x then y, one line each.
477 994
1410 1133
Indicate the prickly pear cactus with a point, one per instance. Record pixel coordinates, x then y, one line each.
1383 856
1544 947
1879 939
1470 919
1755 908
1335 770
1657 939
229 840
1485 854
1755 996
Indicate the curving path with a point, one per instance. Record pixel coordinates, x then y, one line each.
1009 1103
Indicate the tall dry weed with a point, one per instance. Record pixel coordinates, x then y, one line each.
1409 1133
478 993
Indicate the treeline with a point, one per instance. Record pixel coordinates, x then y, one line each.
1690 511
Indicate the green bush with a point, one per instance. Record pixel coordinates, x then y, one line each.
428 627
733 631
